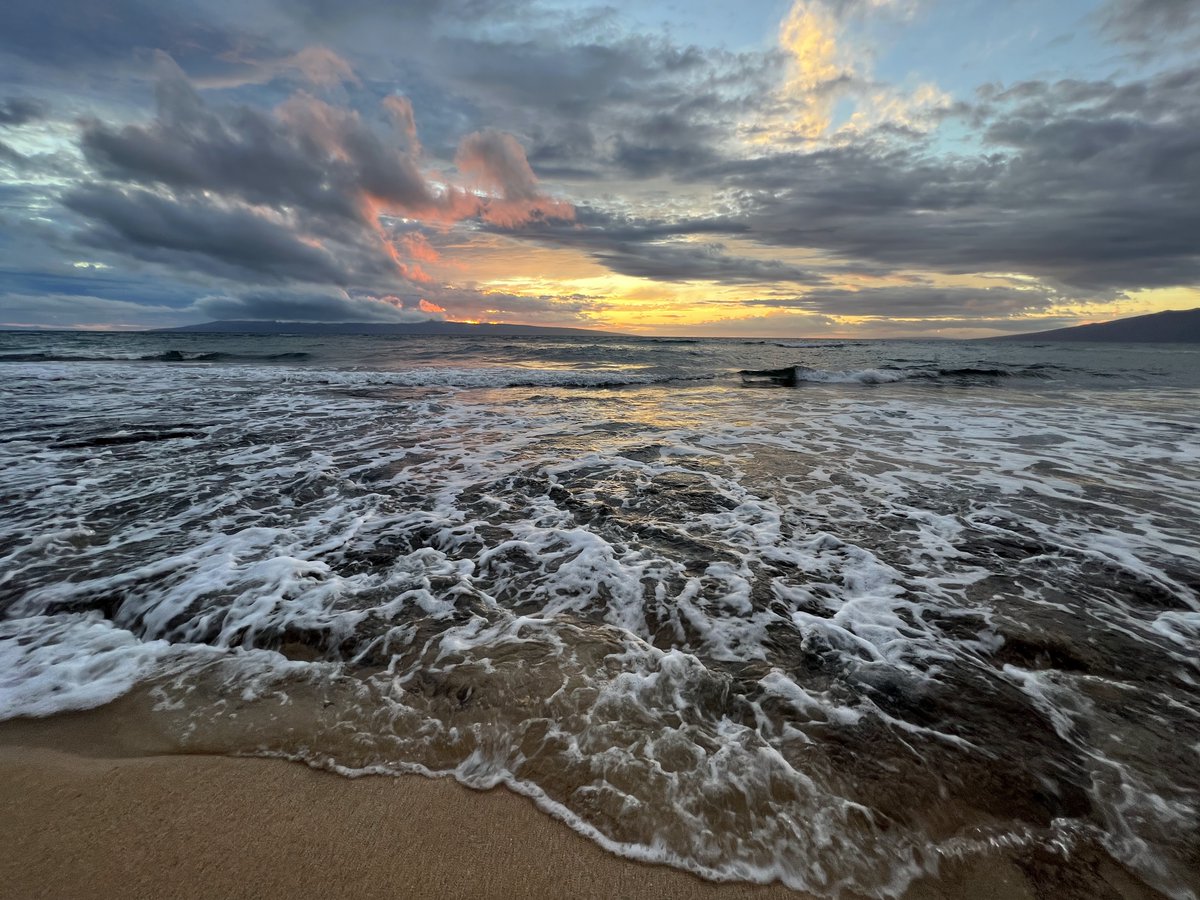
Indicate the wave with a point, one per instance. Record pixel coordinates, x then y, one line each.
643 617
492 378
181 356
791 376
805 345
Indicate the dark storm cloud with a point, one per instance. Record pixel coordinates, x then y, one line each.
19 110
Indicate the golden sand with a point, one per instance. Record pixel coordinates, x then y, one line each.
83 818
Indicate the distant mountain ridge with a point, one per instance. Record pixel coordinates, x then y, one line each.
433 327
1175 326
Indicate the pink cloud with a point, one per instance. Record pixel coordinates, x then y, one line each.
326 175
495 163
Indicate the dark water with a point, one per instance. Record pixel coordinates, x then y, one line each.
835 613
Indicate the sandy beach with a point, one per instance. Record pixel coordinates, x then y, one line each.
86 816
83 818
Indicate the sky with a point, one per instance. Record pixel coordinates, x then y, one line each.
879 168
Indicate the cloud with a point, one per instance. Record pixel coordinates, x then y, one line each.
501 306
306 153
591 101
1092 186
917 301
197 234
307 305
782 325
59 39
294 194
16 111
71 310
12 157
315 66
285 165
826 67
808 35
689 261
325 159
1089 188
496 163
1147 21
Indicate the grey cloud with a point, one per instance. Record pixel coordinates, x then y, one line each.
597 229
644 158
550 309
1095 186
1147 21
306 305
310 155
303 304
12 157
916 301
698 262
20 110
636 105
199 235
65 310
332 15
75 35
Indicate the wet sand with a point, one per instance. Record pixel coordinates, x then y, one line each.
83 818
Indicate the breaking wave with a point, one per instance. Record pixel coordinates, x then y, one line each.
790 376
170 356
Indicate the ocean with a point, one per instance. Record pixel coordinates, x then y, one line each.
834 613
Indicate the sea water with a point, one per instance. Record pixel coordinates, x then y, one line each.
829 612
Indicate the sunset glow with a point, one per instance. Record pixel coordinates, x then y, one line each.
878 167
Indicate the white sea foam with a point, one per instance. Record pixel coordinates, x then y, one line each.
52 664
750 633
862 376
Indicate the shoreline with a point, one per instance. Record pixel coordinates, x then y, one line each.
97 807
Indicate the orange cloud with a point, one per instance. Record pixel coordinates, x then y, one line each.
415 246
401 111
385 177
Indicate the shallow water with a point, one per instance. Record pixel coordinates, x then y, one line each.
832 613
